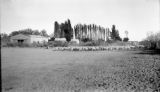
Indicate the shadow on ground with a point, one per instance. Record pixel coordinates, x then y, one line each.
149 52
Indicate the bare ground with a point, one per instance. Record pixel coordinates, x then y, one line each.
44 70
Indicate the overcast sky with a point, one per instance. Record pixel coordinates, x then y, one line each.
136 16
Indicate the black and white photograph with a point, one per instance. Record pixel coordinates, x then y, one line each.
80 45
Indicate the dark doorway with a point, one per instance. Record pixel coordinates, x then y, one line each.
20 41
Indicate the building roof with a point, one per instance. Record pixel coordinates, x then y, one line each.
38 36
22 36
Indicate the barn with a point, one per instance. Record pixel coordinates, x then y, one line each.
28 39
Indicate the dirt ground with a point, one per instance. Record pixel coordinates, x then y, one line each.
45 70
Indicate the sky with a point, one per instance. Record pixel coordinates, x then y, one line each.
138 17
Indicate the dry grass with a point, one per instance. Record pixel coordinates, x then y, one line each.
44 70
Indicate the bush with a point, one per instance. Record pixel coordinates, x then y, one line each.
58 44
85 40
117 43
51 39
90 43
73 43
3 44
126 39
68 37
152 41
36 44
93 43
17 45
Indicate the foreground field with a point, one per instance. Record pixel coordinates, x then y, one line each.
44 70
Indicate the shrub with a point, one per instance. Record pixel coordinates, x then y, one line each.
34 44
3 44
118 43
85 40
90 43
58 44
73 43
152 41
51 39
126 39
68 37
17 45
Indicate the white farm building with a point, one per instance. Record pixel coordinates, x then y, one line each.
28 39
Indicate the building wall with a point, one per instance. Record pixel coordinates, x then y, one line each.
28 39
14 39
38 39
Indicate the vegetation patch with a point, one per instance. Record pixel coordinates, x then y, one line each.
136 73
130 71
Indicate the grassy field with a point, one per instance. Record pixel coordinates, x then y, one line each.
44 70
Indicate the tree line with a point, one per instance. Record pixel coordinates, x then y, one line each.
152 41
90 32
29 31
62 30
65 30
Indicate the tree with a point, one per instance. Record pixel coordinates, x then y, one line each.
43 33
68 30
153 39
27 31
14 33
36 32
56 29
115 34
4 38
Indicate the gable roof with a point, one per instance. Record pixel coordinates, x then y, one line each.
20 36
38 36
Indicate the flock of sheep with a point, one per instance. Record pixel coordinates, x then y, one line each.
96 48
